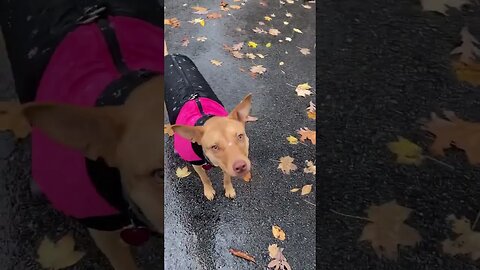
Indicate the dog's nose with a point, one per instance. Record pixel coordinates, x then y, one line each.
239 166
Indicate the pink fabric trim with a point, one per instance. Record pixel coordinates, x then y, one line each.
188 115
78 72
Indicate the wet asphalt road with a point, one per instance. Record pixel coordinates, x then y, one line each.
382 66
200 232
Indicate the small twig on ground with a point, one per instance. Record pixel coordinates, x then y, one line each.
310 203
476 220
290 85
276 161
439 162
350 216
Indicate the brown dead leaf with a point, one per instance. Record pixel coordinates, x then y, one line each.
294 189
279 261
468 51
216 62
224 6
303 90
200 9
286 164
238 54
259 69
278 232
311 168
173 22
272 250
442 6
167 129
466 241
304 51
60 254
185 41
273 31
307 134
454 131
469 73
388 230
247 177
250 55
312 111
235 7
238 46
241 254
214 15
306 190
259 30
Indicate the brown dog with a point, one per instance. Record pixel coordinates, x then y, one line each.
205 133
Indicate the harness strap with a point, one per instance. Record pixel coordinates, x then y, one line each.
113 45
195 146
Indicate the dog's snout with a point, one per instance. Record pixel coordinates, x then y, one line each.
239 166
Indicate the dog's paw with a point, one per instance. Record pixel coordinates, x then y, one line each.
209 193
230 193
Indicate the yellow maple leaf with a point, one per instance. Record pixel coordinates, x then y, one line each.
303 90
278 232
286 164
58 255
267 18
182 172
252 44
198 20
292 140
306 189
407 152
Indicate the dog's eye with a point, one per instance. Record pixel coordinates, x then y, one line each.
157 174
214 147
241 136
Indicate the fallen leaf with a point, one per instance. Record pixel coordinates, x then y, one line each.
279 262
307 6
312 111
200 9
288 14
466 241
260 55
288 39
454 131
247 177
307 134
285 22
292 140
201 39
198 20
306 190
286 164
259 30
387 230
267 18
237 54
407 152
272 250
469 52
272 15
242 255
469 73
258 69
442 6
311 168
238 46
290 1
223 5
273 31
278 232
250 55
174 22
214 15
58 255
261 23
185 41
304 51
235 7
303 90
167 129
216 62
252 44
297 30
294 189
268 45
281 63
182 172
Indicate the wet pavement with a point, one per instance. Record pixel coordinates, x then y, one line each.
383 65
199 233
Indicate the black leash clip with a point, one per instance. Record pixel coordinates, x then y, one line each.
90 14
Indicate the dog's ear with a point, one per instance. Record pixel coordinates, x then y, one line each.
191 133
96 132
242 110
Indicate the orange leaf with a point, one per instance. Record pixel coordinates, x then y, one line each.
242 255
174 22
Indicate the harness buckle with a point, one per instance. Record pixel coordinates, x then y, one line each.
90 14
193 96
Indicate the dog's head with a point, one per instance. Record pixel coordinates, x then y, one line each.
128 137
223 139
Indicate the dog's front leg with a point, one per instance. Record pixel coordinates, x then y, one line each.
227 184
208 190
116 251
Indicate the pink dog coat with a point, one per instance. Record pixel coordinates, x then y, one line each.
79 71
